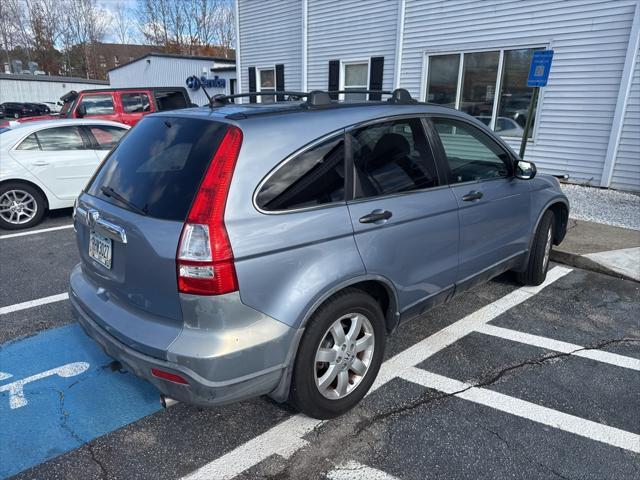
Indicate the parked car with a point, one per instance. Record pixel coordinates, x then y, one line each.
505 126
54 107
46 164
270 249
18 110
39 109
123 105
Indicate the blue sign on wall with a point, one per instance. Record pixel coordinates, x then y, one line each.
194 83
540 66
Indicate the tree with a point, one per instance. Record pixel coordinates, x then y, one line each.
123 25
224 27
87 26
187 26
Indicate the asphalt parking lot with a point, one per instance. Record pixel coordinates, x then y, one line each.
503 382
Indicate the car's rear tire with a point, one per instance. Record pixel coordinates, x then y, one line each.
21 206
536 270
344 343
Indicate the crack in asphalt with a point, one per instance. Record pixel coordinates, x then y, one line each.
517 450
428 399
363 423
64 416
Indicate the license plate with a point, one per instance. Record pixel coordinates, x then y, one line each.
100 249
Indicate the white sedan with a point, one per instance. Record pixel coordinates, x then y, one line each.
44 165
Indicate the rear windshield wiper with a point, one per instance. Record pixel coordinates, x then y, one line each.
110 192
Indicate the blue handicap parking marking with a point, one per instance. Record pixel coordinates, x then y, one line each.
57 392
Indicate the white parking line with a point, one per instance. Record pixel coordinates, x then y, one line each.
558 346
34 232
531 411
358 471
285 438
33 303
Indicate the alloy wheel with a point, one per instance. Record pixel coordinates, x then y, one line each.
17 206
344 356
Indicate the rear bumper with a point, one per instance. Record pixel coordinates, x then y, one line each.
217 372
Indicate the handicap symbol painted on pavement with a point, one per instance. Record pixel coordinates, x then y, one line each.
16 389
57 392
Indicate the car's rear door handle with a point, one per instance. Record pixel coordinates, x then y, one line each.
41 163
376 216
472 196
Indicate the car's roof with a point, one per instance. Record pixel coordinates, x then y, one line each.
350 112
34 125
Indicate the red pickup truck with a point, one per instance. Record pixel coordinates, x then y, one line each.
124 105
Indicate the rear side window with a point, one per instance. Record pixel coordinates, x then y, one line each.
29 143
98 104
135 102
158 166
392 157
315 177
170 100
61 138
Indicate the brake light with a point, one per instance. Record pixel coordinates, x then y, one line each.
205 259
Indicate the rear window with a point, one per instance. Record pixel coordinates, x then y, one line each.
158 166
170 100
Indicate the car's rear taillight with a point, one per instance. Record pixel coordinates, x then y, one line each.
205 259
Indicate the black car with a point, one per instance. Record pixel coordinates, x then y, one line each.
17 110
38 108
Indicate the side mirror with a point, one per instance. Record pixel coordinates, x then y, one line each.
81 110
525 170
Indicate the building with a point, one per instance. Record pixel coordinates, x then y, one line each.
169 70
41 88
471 55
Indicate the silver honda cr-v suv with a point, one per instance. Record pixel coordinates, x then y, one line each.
242 250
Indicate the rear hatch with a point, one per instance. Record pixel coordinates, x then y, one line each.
129 221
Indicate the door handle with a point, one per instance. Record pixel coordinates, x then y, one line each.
41 163
472 196
376 216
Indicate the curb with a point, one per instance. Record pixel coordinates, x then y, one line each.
579 261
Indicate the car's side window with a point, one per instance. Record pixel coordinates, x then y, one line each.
315 177
29 143
470 153
101 104
135 102
61 138
392 157
106 137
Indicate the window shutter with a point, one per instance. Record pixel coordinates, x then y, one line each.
252 84
280 81
375 77
334 77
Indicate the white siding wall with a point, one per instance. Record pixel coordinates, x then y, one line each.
167 72
339 30
271 33
39 91
626 173
589 38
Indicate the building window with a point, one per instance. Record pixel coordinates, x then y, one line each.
468 81
354 76
266 83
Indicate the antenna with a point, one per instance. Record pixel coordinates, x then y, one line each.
196 81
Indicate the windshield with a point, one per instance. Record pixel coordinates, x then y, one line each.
157 167
66 108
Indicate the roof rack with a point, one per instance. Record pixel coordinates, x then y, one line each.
316 98
221 100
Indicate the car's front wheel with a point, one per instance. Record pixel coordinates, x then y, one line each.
21 206
339 356
538 264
